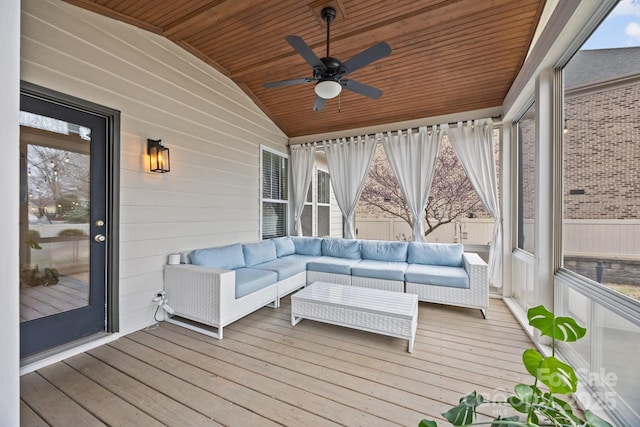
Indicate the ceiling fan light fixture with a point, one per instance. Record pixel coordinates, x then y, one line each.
328 89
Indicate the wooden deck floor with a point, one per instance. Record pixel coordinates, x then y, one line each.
69 293
265 372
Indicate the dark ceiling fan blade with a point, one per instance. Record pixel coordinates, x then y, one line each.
289 82
361 88
319 103
366 57
305 51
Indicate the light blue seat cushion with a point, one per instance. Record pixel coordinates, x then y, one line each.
381 250
329 264
258 253
387 270
249 280
447 254
307 245
226 257
341 248
454 277
287 266
284 246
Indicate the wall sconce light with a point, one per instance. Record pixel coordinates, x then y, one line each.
158 156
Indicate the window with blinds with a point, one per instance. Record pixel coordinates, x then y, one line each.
275 194
323 207
317 206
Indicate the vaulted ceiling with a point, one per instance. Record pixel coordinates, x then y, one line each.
447 56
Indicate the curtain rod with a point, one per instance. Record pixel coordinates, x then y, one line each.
494 118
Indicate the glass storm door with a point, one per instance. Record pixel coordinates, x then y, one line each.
63 229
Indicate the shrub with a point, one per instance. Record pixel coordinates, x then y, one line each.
71 232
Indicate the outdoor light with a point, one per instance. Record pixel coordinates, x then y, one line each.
328 89
158 156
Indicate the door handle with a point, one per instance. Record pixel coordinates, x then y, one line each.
99 238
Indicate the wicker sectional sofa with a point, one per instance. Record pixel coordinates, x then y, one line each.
217 286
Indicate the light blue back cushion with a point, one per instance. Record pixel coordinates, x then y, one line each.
341 248
380 250
307 245
284 246
226 257
447 254
257 253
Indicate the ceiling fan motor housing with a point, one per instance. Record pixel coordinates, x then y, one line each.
328 14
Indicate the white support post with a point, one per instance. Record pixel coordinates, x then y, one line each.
546 197
9 208
507 180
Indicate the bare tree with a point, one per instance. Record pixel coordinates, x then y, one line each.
451 197
57 178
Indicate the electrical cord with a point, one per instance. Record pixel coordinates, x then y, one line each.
155 314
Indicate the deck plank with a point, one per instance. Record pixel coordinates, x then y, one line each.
163 408
28 418
363 395
294 388
432 352
209 374
39 301
60 410
266 372
392 371
57 292
211 406
95 398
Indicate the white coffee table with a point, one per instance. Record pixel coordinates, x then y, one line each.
373 310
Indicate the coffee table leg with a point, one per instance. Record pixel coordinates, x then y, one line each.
295 320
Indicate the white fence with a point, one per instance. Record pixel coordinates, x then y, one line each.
52 230
602 238
473 231
609 239
66 254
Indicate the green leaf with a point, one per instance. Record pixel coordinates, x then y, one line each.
503 424
554 401
532 359
33 244
561 328
595 421
427 423
525 396
464 413
556 375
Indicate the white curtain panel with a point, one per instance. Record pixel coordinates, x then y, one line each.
302 159
349 162
473 144
413 156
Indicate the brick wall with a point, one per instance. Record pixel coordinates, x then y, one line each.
602 154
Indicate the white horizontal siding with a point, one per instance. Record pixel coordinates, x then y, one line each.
214 132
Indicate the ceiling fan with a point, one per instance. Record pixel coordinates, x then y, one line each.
329 72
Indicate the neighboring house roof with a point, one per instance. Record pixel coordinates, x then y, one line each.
591 66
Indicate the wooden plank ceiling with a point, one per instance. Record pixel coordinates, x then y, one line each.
447 56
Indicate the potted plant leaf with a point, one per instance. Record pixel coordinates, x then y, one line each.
538 407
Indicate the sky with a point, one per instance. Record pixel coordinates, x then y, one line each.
620 29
